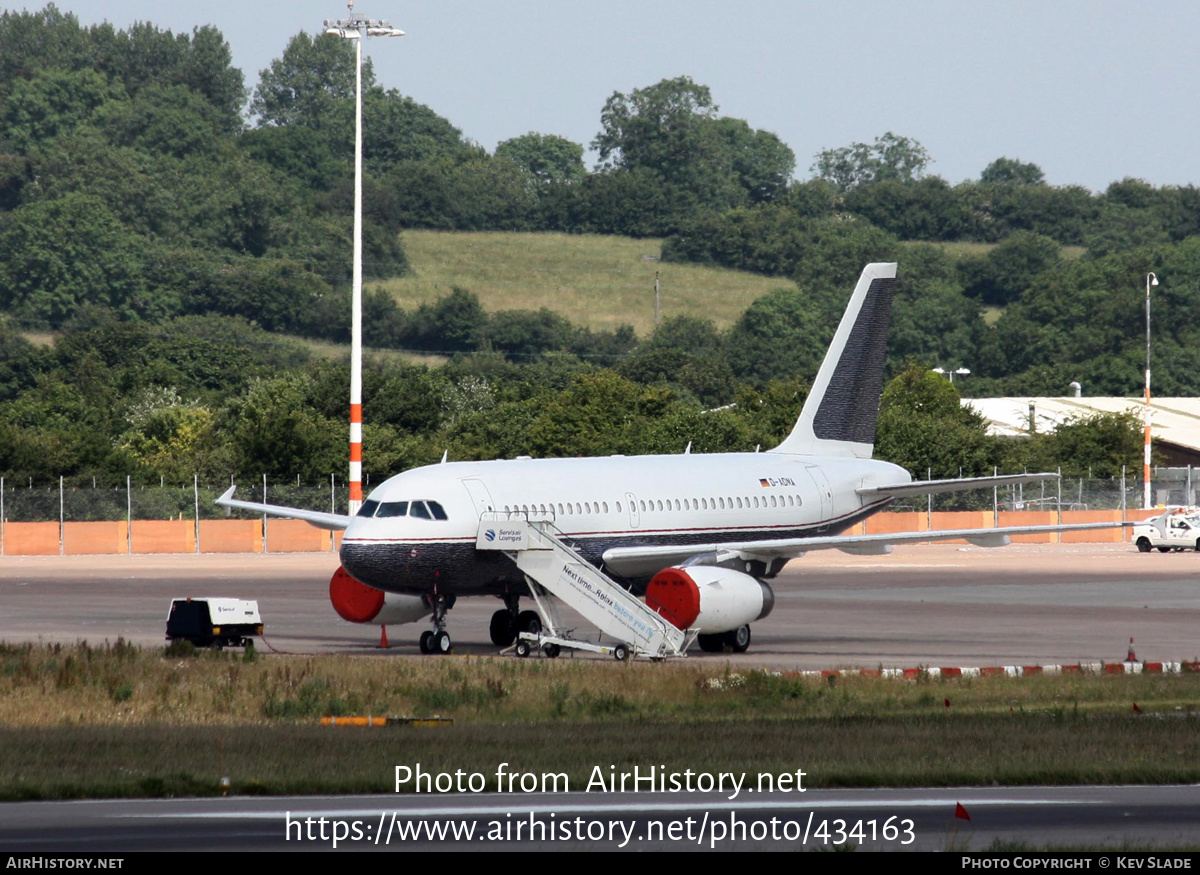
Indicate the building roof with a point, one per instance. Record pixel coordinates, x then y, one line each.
1174 420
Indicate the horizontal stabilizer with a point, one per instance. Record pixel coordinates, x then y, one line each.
320 519
927 487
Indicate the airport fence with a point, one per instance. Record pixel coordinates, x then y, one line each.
74 515
82 516
1168 486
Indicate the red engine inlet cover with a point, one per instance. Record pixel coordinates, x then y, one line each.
675 596
354 601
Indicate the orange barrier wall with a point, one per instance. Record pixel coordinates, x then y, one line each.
164 536
1031 518
89 539
961 519
1105 536
230 536
889 523
31 539
295 536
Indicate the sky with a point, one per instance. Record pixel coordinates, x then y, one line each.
1092 92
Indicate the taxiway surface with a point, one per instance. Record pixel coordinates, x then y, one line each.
935 605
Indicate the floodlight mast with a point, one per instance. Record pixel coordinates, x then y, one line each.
357 27
1151 280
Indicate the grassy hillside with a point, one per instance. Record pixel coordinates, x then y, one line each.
592 280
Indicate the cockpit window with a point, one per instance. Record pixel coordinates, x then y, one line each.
422 510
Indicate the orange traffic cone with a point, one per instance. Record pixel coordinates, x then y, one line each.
1131 656
383 642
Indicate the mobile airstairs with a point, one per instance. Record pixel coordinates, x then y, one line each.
553 567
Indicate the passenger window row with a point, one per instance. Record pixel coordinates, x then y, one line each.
723 503
664 505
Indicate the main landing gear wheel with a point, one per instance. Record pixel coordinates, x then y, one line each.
441 642
426 641
620 653
738 639
529 621
523 648
503 628
712 643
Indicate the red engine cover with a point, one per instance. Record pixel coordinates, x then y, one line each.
675 597
354 601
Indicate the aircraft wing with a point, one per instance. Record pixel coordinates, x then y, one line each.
925 487
320 519
648 560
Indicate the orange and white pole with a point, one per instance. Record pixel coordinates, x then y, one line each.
1151 279
356 495
357 28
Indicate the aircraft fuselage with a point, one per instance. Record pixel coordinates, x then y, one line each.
597 504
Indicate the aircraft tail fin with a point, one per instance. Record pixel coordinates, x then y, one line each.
839 415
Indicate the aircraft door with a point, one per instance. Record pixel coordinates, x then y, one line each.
634 518
480 496
824 493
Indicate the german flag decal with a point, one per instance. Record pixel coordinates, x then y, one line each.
764 482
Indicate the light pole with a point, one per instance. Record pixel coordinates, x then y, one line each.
1151 280
357 28
962 372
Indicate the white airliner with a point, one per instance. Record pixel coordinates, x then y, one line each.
700 534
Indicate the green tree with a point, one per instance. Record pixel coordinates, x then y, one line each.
306 85
932 320
173 438
57 255
521 334
1003 275
548 158
274 432
398 129
1100 445
474 193
890 157
672 130
1010 171
598 414
165 120
782 334
53 102
452 323
923 427
927 209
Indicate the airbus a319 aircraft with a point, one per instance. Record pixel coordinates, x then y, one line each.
699 534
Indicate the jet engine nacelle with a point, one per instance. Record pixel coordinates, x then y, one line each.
708 598
359 603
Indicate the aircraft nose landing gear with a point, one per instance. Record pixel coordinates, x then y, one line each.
437 640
